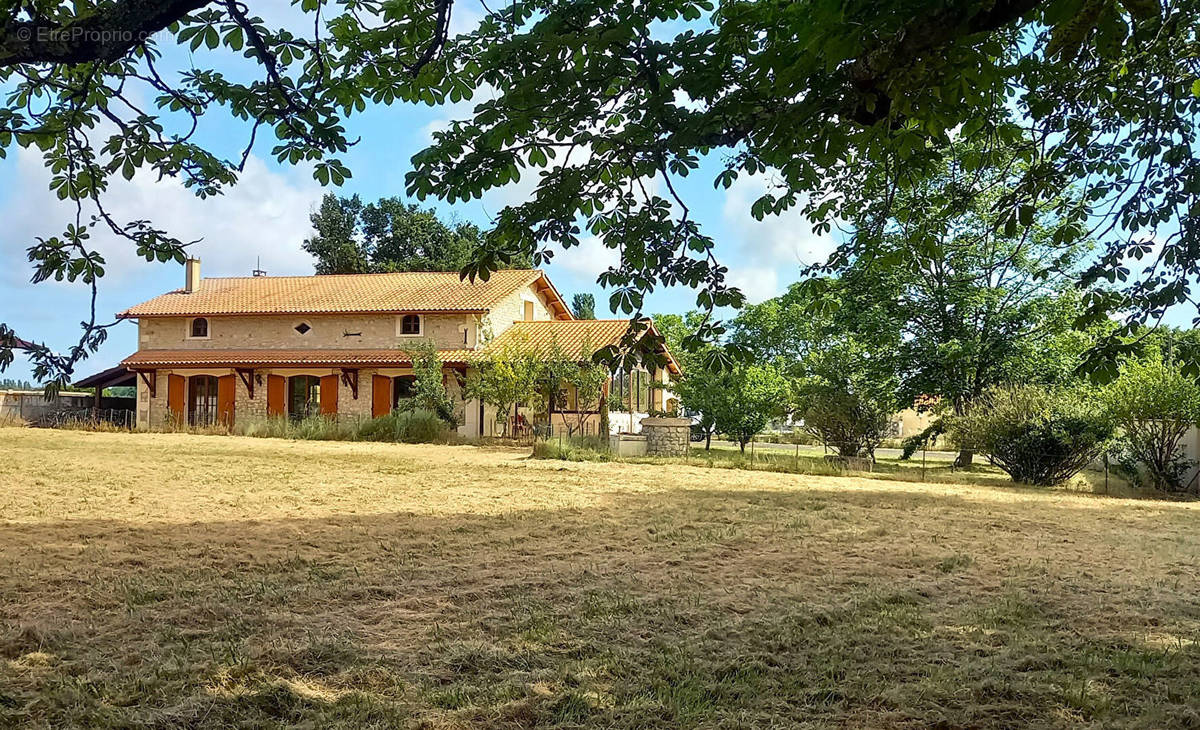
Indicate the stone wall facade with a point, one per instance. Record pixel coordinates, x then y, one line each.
325 332
667 436
339 331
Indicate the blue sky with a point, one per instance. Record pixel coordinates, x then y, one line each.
266 217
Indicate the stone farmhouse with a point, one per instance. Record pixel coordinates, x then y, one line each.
220 350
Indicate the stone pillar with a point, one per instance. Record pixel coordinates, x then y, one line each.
247 410
156 410
356 410
666 436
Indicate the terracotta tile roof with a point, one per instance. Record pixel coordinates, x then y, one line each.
436 291
258 358
571 335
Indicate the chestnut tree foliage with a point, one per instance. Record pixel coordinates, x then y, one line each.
841 105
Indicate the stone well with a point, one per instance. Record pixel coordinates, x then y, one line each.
666 436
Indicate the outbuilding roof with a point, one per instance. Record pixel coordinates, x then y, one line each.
418 291
573 336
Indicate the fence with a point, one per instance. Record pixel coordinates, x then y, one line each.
32 405
117 417
922 461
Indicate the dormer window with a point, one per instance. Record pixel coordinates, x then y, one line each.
410 325
198 328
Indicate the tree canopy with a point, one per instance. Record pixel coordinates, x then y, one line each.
583 306
389 235
745 400
609 104
1155 405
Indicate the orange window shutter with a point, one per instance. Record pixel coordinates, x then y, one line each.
226 398
329 395
176 394
381 396
275 400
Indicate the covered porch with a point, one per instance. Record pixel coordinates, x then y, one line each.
218 389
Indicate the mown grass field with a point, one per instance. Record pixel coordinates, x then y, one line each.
176 581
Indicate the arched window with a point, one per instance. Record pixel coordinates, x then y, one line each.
304 396
199 327
410 324
202 400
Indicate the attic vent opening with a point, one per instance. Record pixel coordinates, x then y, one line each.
303 328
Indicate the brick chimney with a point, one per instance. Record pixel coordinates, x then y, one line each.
191 275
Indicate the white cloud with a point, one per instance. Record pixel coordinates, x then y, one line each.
756 282
765 256
587 260
265 215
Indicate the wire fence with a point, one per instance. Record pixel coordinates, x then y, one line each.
1100 467
923 464
123 418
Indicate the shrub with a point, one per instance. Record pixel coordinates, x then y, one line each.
578 448
750 397
312 428
922 440
1038 436
322 428
1154 405
851 422
415 426
429 388
1167 470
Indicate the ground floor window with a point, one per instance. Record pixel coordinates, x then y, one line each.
304 396
202 400
403 388
631 391
565 399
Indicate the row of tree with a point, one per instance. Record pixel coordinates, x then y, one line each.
1041 426
947 311
390 235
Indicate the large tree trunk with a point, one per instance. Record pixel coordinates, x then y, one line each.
965 455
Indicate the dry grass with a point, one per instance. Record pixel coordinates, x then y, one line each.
176 581
8 420
942 471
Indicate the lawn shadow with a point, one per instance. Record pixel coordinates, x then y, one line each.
690 607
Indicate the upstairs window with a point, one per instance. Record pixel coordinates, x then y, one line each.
528 311
302 328
198 328
410 324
